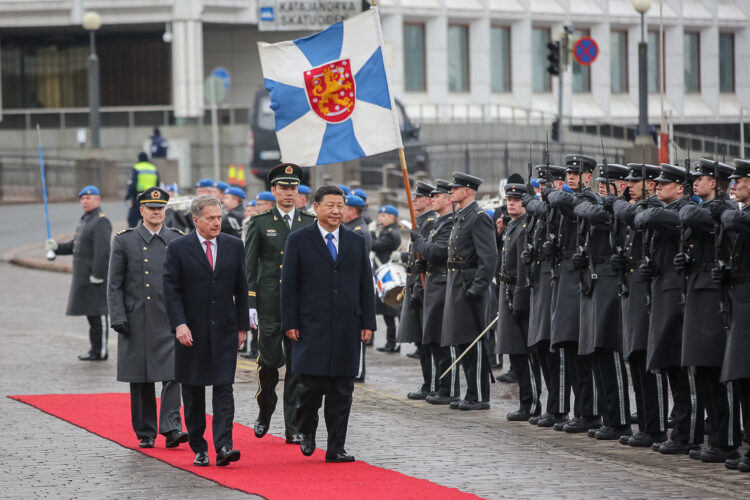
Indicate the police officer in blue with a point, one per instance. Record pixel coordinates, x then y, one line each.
233 200
144 175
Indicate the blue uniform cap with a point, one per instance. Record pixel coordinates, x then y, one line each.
388 209
205 183
265 196
567 189
252 203
355 201
490 212
239 193
345 189
221 185
92 190
302 189
535 182
361 193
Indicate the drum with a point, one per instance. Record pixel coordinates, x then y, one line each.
390 280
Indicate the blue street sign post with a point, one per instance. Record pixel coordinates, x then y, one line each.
222 73
585 50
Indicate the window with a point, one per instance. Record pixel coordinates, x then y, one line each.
726 62
458 58
500 59
414 58
618 63
692 62
581 74
653 59
541 81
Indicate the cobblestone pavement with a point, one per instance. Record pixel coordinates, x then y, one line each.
478 452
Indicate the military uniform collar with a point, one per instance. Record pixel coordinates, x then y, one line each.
426 215
282 214
517 220
91 213
469 208
146 234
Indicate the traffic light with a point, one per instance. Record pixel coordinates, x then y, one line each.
554 58
556 130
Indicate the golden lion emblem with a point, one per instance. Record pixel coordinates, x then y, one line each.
333 92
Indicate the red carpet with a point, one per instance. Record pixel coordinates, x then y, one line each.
268 467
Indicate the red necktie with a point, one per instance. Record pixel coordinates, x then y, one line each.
209 254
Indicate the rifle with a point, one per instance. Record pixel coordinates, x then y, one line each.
530 226
582 234
614 241
683 230
724 309
550 217
646 237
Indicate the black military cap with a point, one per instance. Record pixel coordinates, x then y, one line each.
636 171
461 179
579 163
742 169
154 197
513 190
612 172
671 173
286 174
708 167
424 189
558 173
441 186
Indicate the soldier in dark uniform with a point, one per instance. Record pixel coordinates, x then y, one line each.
88 290
365 213
145 346
264 252
514 309
566 303
542 290
233 200
650 388
433 248
410 323
472 259
735 371
601 326
385 242
703 329
353 220
665 326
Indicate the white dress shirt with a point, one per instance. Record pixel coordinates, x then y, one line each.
290 214
324 232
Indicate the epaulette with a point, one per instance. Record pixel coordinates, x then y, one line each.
430 219
309 214
264 212
480 212
358 228
179 231
125 230
102 214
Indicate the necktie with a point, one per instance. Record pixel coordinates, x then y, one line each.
287 220
331 246
209 254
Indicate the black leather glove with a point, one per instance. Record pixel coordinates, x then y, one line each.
121 328
619 263
580 261
549 249
546 190
474 297
646 272
717 208
414 234
608 202
721 276
681 261
526 199
415 299
419 267
526 257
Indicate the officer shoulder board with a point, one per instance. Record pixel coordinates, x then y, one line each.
304 212
480 212
102 214
125 230
358 228
264 212
430 219
178 231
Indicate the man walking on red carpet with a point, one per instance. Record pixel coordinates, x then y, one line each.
327 309
206 297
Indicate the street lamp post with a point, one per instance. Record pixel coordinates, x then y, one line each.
92 22
642 6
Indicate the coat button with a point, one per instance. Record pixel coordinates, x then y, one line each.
282 252
147 285
148 298
145 248
145 260
213 322
146 272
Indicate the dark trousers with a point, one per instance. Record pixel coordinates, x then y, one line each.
581 376
526 368
722 406
552 366
390 332
338 404
476 372
143 408
450 385
612 387
742 388
650 395
688 428
222 404
268 377
429 365
98 329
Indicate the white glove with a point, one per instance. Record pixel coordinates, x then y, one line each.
95 281
253 313
50 245
396 256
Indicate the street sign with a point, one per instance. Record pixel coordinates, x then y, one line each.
585 50
214 90
223 73
304 15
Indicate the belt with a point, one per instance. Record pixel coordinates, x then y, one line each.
459 264
436 269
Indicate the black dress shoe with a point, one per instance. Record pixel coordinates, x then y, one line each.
293 438
307 444
437 399
339 458
549 420
695 454
716 455
607 433
591 432
744 464
226 455
92 357
657 445
534 420
147 442
643 439
576 425
386 348
670 447
518 416
508 377
560 426
413 355
454 404
420 394
474 405
201 459
732 463
261 427
175 437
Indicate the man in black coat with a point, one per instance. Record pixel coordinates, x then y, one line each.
88 290
234 201
205 294
327 309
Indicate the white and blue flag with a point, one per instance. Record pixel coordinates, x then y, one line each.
330 95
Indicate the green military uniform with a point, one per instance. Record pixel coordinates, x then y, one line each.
264 253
